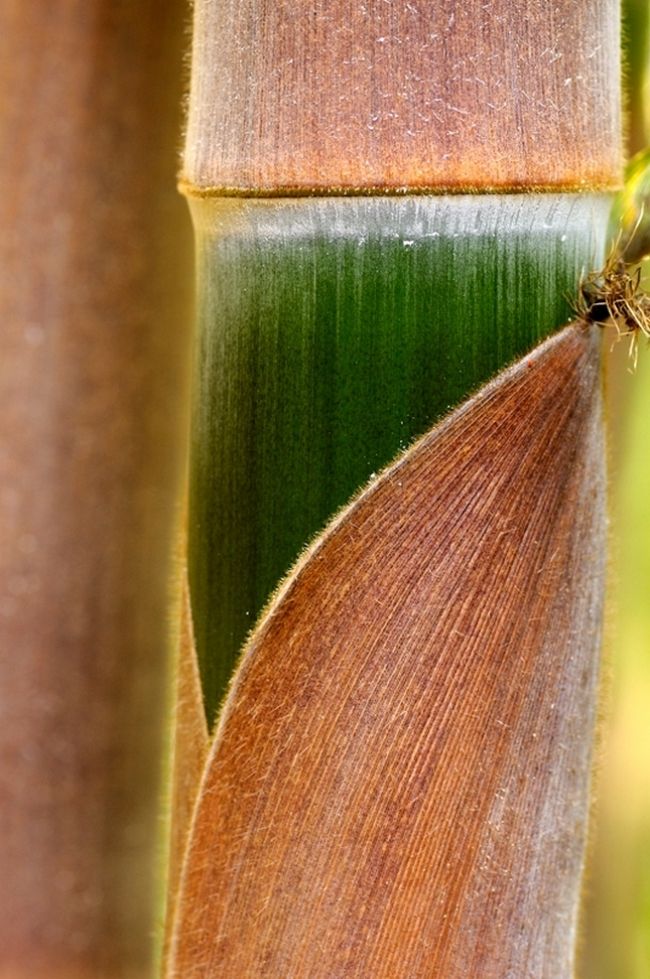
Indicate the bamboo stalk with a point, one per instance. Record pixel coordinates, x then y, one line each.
321 97
636 19
338 321
92 392
279 285
190 749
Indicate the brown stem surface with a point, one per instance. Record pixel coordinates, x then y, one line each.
94 306
338 95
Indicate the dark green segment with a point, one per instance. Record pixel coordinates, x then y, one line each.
636 57
332 332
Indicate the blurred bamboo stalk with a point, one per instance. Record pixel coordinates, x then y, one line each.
94 305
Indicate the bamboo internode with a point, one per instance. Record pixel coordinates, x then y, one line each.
398 783
94 338
341 97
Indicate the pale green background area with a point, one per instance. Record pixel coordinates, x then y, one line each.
616 933
616 937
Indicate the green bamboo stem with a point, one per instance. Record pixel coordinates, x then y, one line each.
636 42
331 334
397 784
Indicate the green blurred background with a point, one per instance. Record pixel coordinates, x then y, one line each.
616 929
616 932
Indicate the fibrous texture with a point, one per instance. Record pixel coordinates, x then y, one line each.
331 334
398 781
398 784
328 96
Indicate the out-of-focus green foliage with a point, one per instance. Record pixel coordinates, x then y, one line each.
617 934
617 930
630 222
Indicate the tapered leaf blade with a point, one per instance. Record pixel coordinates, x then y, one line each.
398 784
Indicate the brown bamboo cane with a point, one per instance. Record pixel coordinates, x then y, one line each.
94 307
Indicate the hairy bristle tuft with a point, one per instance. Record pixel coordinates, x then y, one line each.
614 296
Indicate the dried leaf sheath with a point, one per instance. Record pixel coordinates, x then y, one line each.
398 785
